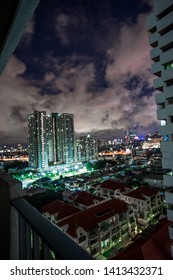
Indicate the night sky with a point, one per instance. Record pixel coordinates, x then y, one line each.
86 57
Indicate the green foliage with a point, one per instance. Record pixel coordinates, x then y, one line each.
41 199
89 166
100 164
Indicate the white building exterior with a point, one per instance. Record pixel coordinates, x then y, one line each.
155 180
112 189
160 27
146 203
37 140
102 226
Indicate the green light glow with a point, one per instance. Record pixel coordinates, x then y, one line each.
169 66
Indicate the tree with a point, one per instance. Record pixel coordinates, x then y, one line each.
89 166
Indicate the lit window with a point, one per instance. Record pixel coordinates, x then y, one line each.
165 138
163 122
169 65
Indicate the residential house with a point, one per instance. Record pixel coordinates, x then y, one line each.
154 244
100 227
58 210
155 180
146 202
112 189
84 200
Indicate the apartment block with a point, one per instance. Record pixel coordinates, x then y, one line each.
146 203
102 226
50 139
160 28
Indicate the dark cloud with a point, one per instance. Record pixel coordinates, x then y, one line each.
108 89
18 114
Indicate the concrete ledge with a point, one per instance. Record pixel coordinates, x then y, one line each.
10 189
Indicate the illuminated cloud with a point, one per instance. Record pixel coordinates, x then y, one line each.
62 22
18 99
108 89
49 76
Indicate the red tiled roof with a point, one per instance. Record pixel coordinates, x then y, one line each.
142 192
61 208
89 219
86 198
154 247
114 185
148 191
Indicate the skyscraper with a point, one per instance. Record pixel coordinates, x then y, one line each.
86 148
63 134
50 139
68 137
37 140
160 27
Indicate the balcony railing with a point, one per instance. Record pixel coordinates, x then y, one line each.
26 233
40 239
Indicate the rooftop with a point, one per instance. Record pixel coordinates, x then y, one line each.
90 218
154 247
154 176
86 198
142 192
60 209
114 185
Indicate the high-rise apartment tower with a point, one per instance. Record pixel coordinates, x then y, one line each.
37 140
86 148
63 134
50 139
160 27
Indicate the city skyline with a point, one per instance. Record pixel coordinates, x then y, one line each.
83 68
91 60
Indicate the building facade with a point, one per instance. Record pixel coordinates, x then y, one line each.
67 121
155 180
63 137
146 203
101 227
112 189
160 27
37 140
50 139
86 148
